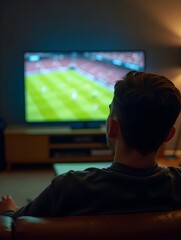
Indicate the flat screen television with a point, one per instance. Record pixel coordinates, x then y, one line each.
74 88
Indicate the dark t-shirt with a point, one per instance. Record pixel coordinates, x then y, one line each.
113 190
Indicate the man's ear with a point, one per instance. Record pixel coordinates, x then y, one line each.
113 128
171 134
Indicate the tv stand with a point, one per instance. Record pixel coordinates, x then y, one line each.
30 145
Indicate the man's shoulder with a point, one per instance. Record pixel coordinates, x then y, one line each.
79 176
176 170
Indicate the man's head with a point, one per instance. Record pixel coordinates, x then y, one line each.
146 106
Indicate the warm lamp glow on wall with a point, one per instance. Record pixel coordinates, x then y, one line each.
177 81
167 15
173 24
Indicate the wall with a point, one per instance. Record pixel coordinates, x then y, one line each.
51 25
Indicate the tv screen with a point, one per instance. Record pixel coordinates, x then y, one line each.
74 87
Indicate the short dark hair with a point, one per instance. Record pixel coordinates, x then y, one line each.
147 106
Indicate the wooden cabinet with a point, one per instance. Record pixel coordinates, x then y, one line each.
23 148
50 145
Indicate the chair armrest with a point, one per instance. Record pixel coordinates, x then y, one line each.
150 226
6 224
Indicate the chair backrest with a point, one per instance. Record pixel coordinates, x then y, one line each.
156 225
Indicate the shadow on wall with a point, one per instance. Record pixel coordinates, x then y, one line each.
2 157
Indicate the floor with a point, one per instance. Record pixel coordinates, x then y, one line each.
24 184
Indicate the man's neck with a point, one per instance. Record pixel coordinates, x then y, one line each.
134 159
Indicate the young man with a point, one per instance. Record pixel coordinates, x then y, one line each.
142 115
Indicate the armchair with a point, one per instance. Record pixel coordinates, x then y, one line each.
147 226
6 224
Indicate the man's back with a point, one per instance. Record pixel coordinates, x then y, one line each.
116 189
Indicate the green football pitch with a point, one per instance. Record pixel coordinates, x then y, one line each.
65 96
